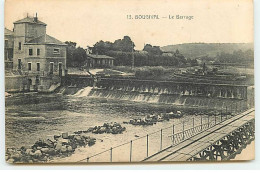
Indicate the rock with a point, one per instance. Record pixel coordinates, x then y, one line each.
109 130
16 156
90 129
56 137
64 141
78 138
50 143
38 148
63 149
58 146
102 130
7 157
52 151
44 158
30 161
45 150
10 161
29 151
91 142
69 148
37 153
73 145
105 125
25 159
95 131
65 135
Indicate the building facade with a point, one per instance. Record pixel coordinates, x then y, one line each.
39 60
8 48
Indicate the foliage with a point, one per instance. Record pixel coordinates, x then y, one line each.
150 72
124 45
192 62
75 55
152 50
236 57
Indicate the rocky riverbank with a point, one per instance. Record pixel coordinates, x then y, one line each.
46 150
113 127
153 119
60 146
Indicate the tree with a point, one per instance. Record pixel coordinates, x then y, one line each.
124 45
76 56
153 50
79 57
70 49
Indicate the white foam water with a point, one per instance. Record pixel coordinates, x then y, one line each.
83 92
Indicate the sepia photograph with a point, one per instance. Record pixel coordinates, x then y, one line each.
120 81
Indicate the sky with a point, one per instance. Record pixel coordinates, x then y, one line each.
89 21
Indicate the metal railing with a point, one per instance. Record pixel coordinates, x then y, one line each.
138 149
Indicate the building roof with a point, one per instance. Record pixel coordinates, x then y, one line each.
30 20
95 56
45 39
8 32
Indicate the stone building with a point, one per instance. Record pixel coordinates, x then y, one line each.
8 48
39 60
99 61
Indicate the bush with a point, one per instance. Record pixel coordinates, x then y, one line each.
150 72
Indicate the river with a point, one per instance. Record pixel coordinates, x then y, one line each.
34 116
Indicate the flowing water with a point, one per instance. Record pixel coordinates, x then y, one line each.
34 116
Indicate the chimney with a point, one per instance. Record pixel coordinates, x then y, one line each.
36 18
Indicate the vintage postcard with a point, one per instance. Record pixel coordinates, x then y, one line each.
91 81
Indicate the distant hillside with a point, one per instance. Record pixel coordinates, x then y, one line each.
193 50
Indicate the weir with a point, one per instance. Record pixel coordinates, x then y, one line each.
181 88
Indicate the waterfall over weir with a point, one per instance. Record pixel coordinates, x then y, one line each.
148 97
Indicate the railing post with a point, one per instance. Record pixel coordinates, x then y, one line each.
131 150
147 149
193 124
240 103
201 123
208 121
183 130
221 116
227 116
161 140
236 107
173 134
226 109
111 154
215 119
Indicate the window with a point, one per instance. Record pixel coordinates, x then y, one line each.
60 69
56 51
30 51
19 64
29 66
20 46
38 51
38 66
51 67
6 43
29 81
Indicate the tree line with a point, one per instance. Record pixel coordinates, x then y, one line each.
123 51
237 57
